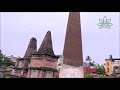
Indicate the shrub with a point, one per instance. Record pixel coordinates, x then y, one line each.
7 74
88 76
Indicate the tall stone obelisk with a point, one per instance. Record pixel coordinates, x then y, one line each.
72 66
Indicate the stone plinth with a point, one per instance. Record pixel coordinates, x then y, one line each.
68 71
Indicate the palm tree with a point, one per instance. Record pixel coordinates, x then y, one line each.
110 56
93 63
88 58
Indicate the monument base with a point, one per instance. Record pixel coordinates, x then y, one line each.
68 71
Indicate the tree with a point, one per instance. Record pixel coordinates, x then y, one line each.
8 62
89 60
1 58
4 61
100 69
110 56
93 62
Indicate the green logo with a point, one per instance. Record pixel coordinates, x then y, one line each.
104 23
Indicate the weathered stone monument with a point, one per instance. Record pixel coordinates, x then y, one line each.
43 64
72 66
21 67
32 48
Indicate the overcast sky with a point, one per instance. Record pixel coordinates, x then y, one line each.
17 28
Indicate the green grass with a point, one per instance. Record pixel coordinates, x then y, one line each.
88 76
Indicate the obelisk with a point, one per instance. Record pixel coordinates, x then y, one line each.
72 66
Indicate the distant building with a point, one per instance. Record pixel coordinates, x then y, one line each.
13 58
112 66
10 68
1 75
4 69
89 69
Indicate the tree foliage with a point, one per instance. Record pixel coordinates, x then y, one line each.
89 60
4 61
100 69
7 74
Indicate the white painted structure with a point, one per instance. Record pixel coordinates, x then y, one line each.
115 63
67 71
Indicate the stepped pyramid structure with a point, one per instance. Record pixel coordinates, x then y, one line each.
32 48
43 64
21 67
46 46
72 66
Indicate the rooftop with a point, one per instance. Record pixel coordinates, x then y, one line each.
113 59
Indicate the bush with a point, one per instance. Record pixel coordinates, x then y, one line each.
88 76
7 74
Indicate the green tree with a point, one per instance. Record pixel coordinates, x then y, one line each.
1 58
100 69
4 61
8 62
